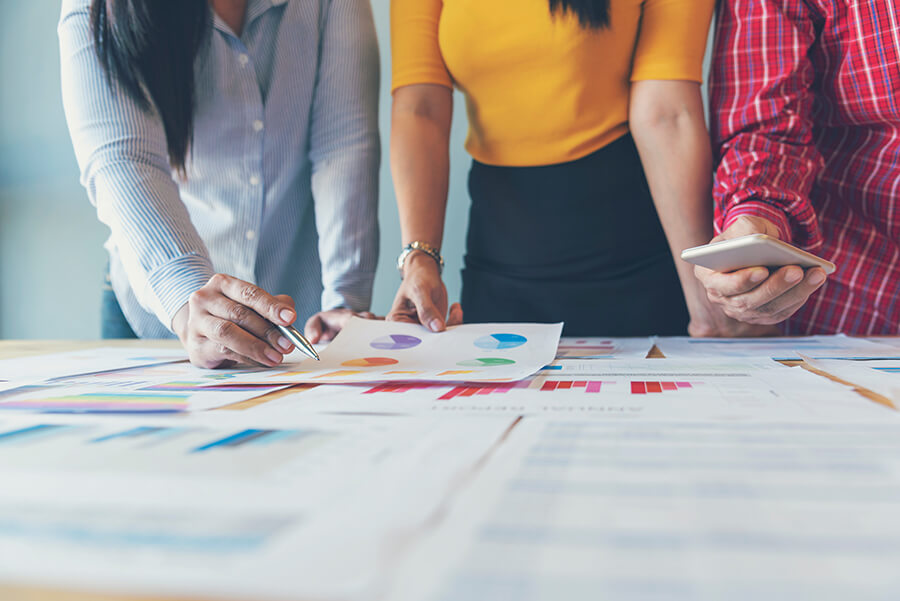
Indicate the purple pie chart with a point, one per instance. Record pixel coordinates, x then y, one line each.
395 342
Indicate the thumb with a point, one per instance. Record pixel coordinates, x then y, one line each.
313 329
748 224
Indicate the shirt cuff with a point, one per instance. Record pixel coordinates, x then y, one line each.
755 208
356 298
174 282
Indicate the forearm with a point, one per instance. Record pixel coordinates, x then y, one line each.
675 151
420 163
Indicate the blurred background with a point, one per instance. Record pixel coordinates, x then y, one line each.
51 244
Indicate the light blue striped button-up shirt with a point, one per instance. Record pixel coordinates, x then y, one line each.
282 177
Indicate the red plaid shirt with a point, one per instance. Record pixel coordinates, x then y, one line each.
805 101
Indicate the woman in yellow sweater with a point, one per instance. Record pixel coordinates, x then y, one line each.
591 161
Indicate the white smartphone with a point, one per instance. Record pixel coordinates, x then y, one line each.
751 251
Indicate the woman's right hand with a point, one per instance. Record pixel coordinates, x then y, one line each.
229 321
422 297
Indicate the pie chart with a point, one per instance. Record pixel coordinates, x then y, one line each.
500 341
486 362
395 342
370 362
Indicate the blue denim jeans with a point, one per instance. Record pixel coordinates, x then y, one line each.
112 321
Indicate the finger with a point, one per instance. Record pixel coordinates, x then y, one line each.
733 283
402 310
249 320
314 329
774 286
209 355
788 303
236 339
456 315
277 310
427 312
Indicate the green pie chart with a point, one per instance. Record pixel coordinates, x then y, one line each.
486 362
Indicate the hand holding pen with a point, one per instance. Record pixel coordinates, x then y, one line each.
230 321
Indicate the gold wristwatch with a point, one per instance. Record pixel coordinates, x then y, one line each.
421 247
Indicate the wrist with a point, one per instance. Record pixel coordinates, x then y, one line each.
419 262
419 248
180 321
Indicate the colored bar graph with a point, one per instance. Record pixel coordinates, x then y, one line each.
657 387
480 389
103 403
589 386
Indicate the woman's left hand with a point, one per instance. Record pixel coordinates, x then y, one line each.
325 325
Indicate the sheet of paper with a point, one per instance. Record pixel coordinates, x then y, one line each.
889 340
57 365
881 377
167 397
375 351
604 348
586 509
224 507
817 347
636 389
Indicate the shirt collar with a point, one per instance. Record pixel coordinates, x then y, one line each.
255 8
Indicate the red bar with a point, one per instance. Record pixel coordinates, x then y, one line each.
379 388
593 386
638 388
468 391
487 390
669 385
683 384
564 386
549 386
452 393
579 384
654 387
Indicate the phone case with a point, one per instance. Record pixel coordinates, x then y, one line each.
752 251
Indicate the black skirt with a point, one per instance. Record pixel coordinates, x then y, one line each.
578 242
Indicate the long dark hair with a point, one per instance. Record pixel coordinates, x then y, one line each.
148 47
592 14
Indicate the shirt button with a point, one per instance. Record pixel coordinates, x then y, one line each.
243 59
254 180
257 125
250 235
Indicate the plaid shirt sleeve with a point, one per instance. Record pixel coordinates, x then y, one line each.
761 104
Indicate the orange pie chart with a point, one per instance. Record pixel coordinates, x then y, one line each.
370 362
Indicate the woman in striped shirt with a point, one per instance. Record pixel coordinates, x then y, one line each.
232 148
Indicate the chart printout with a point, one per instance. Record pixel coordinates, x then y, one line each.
780 349
584 510
223 506
376 351
616 389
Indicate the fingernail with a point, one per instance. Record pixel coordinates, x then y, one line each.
793 276
273 355
435 325
816 278
758 275
284 343
287 315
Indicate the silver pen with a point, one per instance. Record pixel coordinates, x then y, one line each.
298 340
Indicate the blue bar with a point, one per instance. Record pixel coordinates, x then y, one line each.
233 440
30 432
133 433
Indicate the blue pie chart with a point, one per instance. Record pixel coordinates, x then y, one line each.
500 341
395 342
